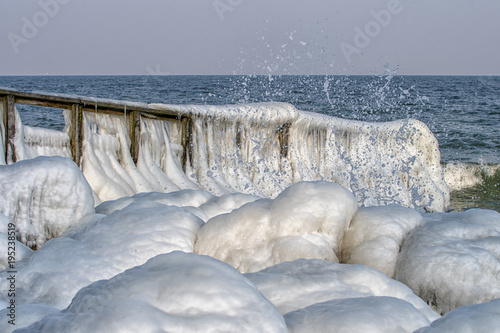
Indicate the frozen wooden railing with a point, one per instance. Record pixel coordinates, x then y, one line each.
77 104
134 111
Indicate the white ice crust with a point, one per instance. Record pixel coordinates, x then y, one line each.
395 162
307 220
26 314
483 317
454 259
44 197
99 248
20 250
258 192
357 315
295 285
176 292
257 149
375 236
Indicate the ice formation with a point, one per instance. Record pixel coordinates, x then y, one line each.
258 149
31 142
26 314
307 220
110 169
295 285
20 250
375 236
454 259
44 197
258 192
264 148
483 317
100 247
176 292
357 315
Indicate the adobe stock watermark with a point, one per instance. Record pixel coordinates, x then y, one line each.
156 70
11 271
224 6
363 36
30 27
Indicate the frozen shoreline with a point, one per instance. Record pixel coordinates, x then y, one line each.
334 222
112 253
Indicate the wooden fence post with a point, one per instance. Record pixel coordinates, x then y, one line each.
134 119
10 128
283 132
187 124
76 132
4 123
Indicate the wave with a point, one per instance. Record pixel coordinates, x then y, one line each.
460 176
473 185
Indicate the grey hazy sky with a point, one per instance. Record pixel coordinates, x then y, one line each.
249 36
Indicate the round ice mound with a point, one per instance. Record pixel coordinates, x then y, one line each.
454 259
375 236
298 284
357 315
176 292
101 247
483 317
307 220
44 197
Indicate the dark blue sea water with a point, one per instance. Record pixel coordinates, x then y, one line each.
462 111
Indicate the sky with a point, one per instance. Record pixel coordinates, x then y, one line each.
271 37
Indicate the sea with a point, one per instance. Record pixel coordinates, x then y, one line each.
463 112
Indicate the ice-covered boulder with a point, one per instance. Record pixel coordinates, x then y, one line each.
99 248
376 234
295 285
307 220
484 317
176 292
227 203
44 196
454 259
188 199
25 315
10 253
357 315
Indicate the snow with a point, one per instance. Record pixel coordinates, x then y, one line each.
454 259
375 236
169 293
44 197
307 220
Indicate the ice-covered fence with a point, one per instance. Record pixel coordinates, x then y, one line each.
125 148
77 107
263 148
